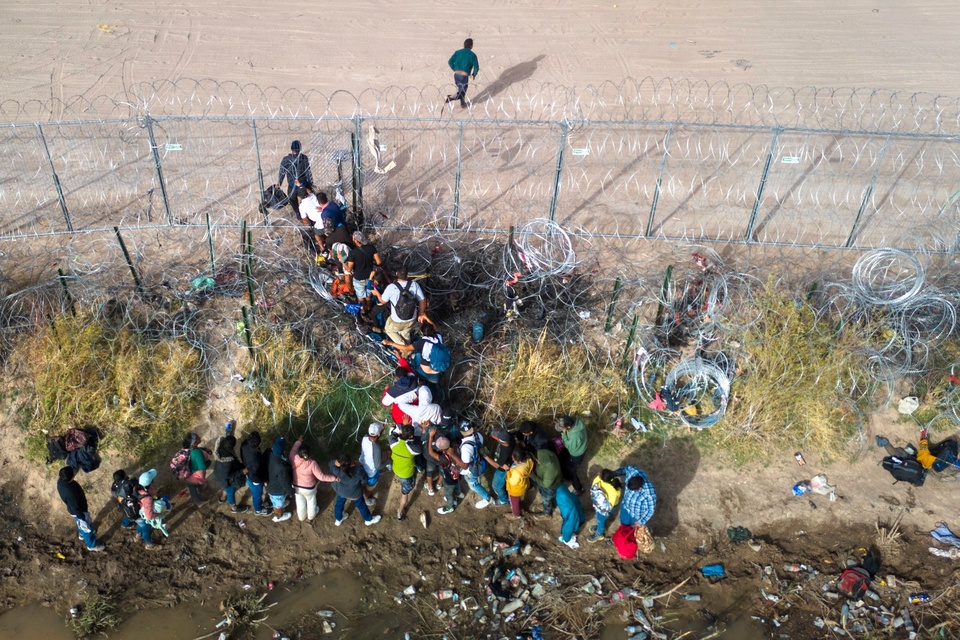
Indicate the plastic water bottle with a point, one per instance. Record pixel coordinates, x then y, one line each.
229 428
477 331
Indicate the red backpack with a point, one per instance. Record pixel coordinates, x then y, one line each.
854 582
625 540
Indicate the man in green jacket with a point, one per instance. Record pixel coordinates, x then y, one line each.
574 435
464 64
546 474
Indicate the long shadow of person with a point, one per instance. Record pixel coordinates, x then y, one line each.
670 466
516 73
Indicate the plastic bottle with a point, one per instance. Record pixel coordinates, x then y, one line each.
444 594
477 331
792 568
229 428
511 549
692 597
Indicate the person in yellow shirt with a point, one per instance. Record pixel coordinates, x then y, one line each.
518 479
605 494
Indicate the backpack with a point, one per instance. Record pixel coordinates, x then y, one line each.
854 582
406 306
625 540
905 469
75 439
180 464
946 453
56 449
477 465
274 197
129 498
439 357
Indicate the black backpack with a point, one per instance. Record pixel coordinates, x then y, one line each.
56 449
128 495
905 470
406 306
946 453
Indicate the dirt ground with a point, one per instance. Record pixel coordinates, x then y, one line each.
209 555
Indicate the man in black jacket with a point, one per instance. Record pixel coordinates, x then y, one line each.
279 480
295 167
255 466
72 495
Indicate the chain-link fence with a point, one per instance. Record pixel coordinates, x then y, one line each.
679 181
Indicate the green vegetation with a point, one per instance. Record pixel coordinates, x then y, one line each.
81 371
94 616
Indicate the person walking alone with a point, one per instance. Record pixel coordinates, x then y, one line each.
464 64
295 167
76 500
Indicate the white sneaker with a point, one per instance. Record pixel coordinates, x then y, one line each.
283 518
340 521
372 521
483 504
572 543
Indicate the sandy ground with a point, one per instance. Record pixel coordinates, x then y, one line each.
101 47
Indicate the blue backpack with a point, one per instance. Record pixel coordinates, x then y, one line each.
439 357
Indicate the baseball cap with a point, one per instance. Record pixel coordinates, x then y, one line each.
466 428
375 429
147 477
501 434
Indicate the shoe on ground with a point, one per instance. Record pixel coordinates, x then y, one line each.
594 538
401 515
239 509
370 501
372 521
431 492
572 542
444 510
340 521
99 547
283 518
151 547
482 504
461 496
126 526
263 512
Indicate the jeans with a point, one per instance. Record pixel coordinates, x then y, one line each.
125 522
626 518
499 485
306 503
256 494
358 503
450 491
461 81
602 522
85 529
549 497
231 496
145 531
474 483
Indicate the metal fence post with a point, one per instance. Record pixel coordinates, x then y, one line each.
357 166
763 183
256 147
456 185
656 187
564 133
866 195
148 123
56 179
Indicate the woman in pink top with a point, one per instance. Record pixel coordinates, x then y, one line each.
306 476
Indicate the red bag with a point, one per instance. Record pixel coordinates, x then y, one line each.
625 540
854 582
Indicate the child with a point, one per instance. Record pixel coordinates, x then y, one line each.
518 479
605 494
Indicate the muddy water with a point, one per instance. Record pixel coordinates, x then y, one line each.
340 591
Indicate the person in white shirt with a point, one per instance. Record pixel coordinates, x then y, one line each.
371 458
399 324
310 209
473 471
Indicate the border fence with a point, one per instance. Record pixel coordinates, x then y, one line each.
678 161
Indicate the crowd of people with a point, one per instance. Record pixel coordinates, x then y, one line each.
423 437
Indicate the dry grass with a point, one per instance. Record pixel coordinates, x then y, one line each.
536 379
889 538
801 384
83 372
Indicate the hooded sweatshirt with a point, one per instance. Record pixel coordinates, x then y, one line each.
348 486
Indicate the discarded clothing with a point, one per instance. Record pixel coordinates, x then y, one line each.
943 534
